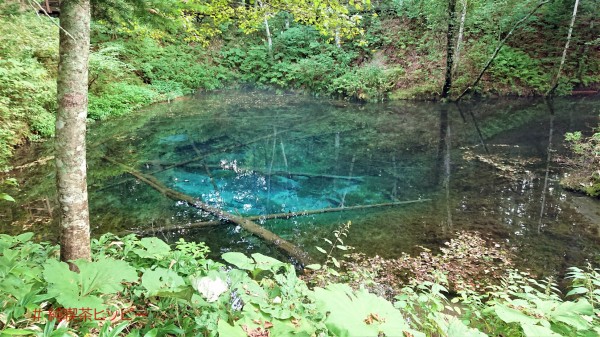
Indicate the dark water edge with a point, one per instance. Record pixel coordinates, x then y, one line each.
484 165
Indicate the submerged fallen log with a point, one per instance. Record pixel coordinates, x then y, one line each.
280 216
278 172
290 249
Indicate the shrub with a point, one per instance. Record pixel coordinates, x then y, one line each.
118 99
585 176
180 63
520 71
369 83
138 287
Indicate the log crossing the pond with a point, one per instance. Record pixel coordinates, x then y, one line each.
252 227
288 215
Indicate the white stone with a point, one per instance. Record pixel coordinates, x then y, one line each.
210 288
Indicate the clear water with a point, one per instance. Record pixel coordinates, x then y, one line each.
483 166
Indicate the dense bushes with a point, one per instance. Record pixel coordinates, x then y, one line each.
586 163
185 67
28 54
145 287
120 98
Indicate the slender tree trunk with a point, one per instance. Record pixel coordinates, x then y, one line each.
72 89
268 32
500 45
267 28
449 48
564 54
461 31
338 40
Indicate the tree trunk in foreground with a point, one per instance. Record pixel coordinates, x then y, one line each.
449 48
72 90
564 55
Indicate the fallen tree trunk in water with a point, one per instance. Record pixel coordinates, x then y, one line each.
279 216
290 249
273 173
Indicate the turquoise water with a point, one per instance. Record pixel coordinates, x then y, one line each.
482 164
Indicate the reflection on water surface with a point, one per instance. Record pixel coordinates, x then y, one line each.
487 166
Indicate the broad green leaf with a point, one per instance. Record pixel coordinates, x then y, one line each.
582 307
105 275
531 330
265 262
321 249
224 329
82 290
335 262
24 237
314 266
572 313
65 286
359 313
577 291
456 328
151 333
239 260
510 315
161 280
153 248
4 196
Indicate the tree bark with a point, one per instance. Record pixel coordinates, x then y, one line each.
268 32
564 54
461 31
70 161
449 48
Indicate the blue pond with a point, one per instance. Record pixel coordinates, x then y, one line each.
488 166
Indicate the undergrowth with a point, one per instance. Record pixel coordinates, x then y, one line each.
145 287
585 161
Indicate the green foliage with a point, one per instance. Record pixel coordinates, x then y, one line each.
84 289
520 71
7 183
180 65
21 284
586 282
360 313
183 293
28 54
370 83
585 161
27 104
120 98
105 65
